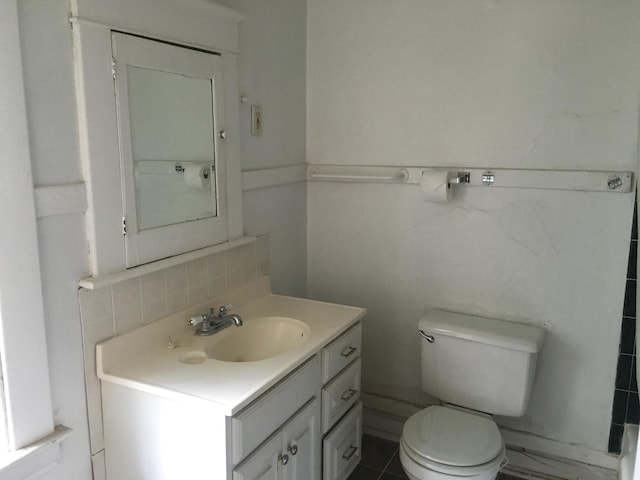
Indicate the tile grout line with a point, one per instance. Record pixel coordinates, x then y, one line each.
384 469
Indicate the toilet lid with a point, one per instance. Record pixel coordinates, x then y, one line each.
452 437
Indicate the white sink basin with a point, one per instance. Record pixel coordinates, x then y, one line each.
258 339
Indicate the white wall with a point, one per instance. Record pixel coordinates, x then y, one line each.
273 75
49 85
508 84
282 213
519 84
53 130
487 83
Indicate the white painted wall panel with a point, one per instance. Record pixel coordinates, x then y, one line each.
50 92
281 212
63 259
487 83
273 74
509 84
63 251
509 254
272 68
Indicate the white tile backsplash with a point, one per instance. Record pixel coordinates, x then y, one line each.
197 272
217 286
96 304
198 293
176 278
234 279
262 248
248 255
154 309
127 296
263 268
126 305
249 273
153 286
234 260
217 265
177 300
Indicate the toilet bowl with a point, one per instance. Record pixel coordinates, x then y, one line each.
441 443
472 364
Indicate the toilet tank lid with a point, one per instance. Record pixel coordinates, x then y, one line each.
512 335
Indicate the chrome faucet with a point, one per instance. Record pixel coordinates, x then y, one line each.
210 323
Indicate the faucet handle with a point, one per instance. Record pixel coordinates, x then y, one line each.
224 309
197 320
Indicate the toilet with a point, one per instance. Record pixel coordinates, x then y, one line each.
477 367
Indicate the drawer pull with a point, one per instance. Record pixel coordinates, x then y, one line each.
350 453
348 394
347 352
284 459
293 449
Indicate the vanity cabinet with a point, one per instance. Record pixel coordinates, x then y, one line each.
305 427
341 408
330 426
292 454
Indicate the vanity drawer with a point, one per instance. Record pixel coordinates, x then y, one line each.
342 448
264 416
341 352
340 395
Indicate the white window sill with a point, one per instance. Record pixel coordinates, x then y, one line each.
36 459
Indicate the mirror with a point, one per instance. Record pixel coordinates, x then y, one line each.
171 117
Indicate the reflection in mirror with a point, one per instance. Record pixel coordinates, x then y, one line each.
172 125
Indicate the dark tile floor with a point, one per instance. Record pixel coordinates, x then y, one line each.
380 461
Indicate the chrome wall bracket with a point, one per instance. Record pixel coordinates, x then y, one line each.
462 177
488 178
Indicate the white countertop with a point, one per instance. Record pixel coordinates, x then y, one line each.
142 360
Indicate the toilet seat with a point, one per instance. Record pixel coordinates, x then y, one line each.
421 468
453 441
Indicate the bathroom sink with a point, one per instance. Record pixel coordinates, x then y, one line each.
257 339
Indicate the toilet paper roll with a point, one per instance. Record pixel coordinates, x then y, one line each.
197 177
435 185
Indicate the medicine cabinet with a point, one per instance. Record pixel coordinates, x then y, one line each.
158 113
171 161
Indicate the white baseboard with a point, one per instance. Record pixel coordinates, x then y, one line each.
531 443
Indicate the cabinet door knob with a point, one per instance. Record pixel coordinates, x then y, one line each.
293 449
284 459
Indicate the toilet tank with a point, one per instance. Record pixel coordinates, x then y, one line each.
480 363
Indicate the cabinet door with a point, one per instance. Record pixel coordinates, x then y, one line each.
262 464
169 107
301 438
342 447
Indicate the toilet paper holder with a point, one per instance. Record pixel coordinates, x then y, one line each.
180 169
462 177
